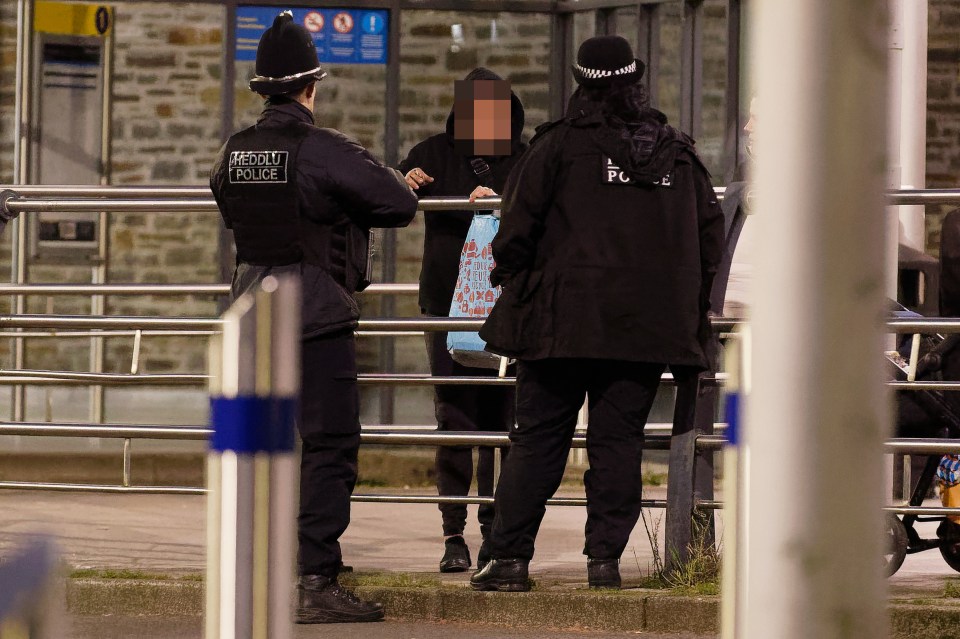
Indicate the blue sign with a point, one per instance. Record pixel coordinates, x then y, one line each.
342 36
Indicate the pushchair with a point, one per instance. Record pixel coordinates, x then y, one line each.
928 413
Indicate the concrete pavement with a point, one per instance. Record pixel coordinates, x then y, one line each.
163 535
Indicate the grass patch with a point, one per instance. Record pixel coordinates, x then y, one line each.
388 580
701 589
952 589
653 582
94 573
651 478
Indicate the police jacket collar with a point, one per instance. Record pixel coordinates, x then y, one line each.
285 107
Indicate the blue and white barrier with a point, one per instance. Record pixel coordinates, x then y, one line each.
252 468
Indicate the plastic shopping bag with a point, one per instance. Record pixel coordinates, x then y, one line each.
474 296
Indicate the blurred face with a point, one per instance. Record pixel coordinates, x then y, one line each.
481 117
751 126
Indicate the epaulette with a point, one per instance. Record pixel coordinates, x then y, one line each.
541 130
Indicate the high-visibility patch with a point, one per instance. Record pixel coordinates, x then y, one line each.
258 167
613 174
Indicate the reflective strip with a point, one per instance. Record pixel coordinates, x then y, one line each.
265 78
253 424
594 74
732 416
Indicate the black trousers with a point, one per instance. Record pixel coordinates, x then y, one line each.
549 395
329 426
466 408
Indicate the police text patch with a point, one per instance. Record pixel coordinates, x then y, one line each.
613 174
258 167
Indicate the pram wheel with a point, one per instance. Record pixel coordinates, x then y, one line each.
896 546
951 555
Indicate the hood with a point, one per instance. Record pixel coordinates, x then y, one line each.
516 107
645 146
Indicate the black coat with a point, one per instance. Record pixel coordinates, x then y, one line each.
445 231
339 183
593 267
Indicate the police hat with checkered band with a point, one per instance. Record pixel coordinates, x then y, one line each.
286 58
606 61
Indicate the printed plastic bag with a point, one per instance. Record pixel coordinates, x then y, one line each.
473 296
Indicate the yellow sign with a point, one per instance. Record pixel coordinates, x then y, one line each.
63 18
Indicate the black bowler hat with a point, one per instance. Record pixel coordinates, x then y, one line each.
286 58
605 61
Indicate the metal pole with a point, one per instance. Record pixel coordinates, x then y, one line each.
252 469
817 399
23 97
388 237
98 303
226 254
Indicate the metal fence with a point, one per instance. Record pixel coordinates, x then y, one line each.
31 199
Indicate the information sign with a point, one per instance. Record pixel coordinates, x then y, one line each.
342 36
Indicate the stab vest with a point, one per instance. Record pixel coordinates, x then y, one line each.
261 196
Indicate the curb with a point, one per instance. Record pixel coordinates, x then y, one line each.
631 610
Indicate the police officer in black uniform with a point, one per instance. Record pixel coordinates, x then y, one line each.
302 199
609 241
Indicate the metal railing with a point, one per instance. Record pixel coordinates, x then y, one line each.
32 199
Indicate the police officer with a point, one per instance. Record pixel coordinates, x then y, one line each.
608 245
302 199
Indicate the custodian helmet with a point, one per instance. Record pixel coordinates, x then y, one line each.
286 58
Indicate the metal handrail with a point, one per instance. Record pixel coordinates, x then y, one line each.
399 324
70 378
162 289
412 437
33 198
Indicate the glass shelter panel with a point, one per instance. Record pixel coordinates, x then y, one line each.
627 26
713 134
668 78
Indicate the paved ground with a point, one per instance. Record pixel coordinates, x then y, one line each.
164 533
147 628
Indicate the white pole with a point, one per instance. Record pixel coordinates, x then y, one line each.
252 465
817 413
912 151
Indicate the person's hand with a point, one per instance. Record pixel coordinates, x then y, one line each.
482 191
417 177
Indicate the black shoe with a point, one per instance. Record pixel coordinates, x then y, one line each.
603 573
483 557
323 600
949 531
505 575
456 556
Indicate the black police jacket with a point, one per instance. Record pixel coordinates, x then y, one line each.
445 231
302 199
609 241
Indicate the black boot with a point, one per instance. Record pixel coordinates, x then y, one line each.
505 575
483 557
323 600
603 573
456 555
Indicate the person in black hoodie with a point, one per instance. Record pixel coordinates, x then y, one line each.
610 238
451 164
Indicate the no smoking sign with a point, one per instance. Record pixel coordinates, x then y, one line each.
313 21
